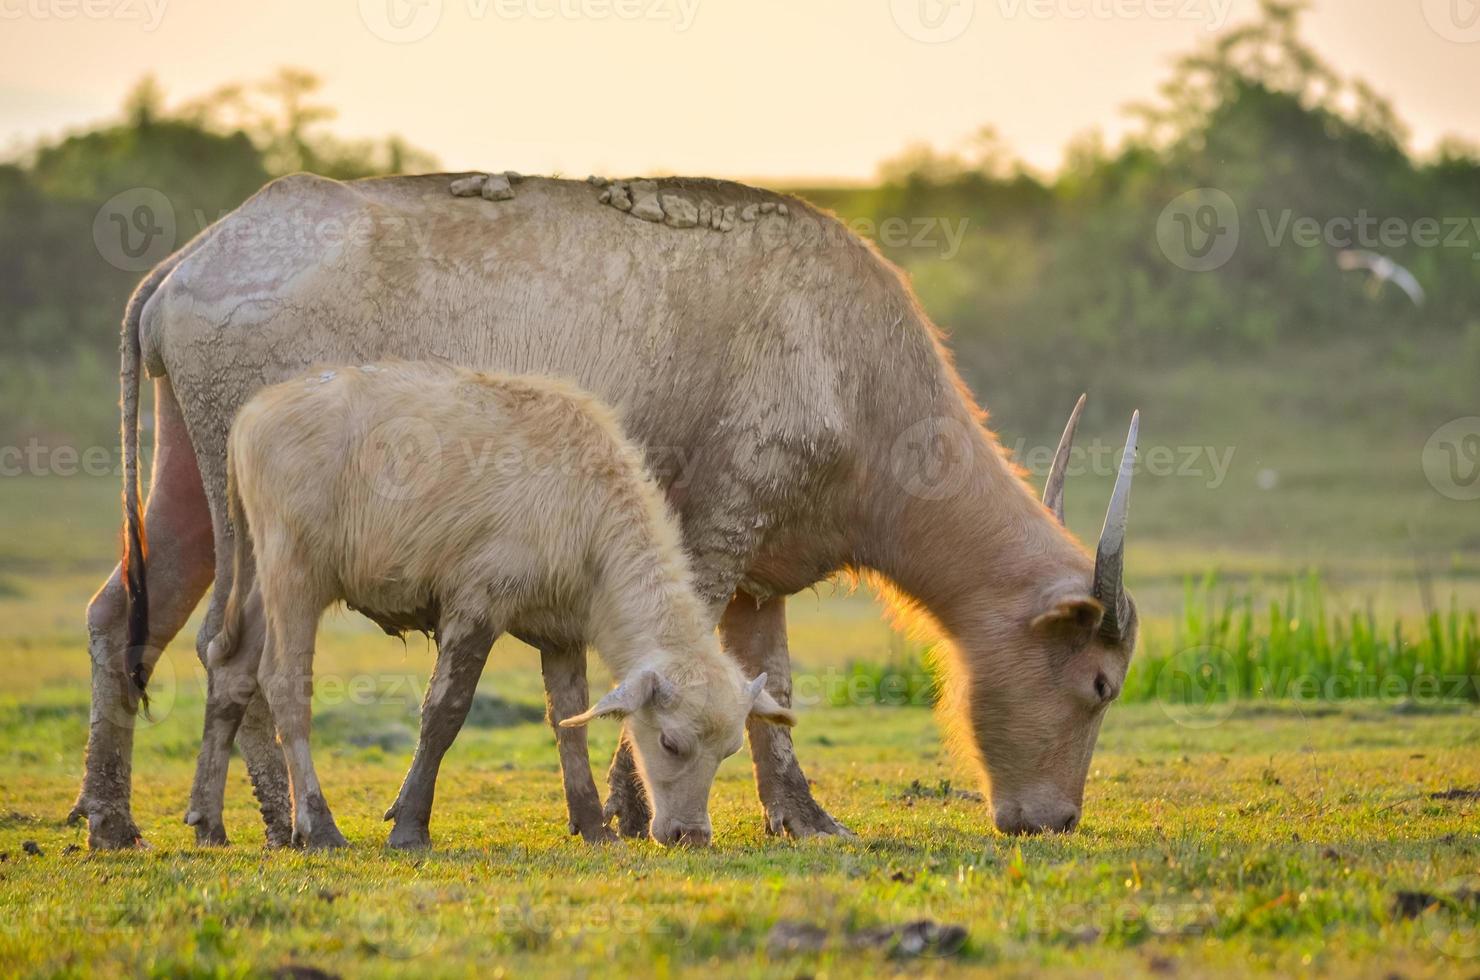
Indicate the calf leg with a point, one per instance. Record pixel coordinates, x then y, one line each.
462 650
179 570
755 633
256 737
286 676
246 719
231 688
567 695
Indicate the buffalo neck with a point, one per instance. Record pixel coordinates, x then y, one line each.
975 554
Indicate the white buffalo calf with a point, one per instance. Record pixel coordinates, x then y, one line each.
431 497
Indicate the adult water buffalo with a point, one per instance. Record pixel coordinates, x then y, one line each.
796 403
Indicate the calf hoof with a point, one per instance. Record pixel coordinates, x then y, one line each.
802 818
209 831
321 832
409 837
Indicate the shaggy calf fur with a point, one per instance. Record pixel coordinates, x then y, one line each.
431 497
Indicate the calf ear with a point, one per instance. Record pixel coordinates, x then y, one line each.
766 708
631 695
1077 615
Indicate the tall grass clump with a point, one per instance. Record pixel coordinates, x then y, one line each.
1228 644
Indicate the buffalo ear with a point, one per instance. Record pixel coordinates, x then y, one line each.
1080 614
633 694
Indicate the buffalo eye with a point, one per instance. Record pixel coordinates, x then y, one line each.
668 744
1102 688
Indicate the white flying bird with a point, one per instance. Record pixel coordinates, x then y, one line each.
1383 270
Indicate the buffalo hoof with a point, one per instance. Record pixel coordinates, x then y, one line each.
802 818
108 829
409 837
633 816
209 831
277 817
279 829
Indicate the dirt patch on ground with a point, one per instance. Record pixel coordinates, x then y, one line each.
302 971
15 818
942 790
1472 793
922 937
1412 904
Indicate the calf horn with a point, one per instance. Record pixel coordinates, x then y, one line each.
1109 586
1053 490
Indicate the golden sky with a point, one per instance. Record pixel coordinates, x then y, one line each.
753 88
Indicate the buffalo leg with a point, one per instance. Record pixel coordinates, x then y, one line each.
566 695
179 570
626 798
756 634
257 740
462 651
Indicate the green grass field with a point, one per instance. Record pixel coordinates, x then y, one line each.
1280 836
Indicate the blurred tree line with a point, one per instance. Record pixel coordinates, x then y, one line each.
1067 277
61 299
1058 284
207 156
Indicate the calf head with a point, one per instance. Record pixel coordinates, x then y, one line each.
682 722
1056 660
